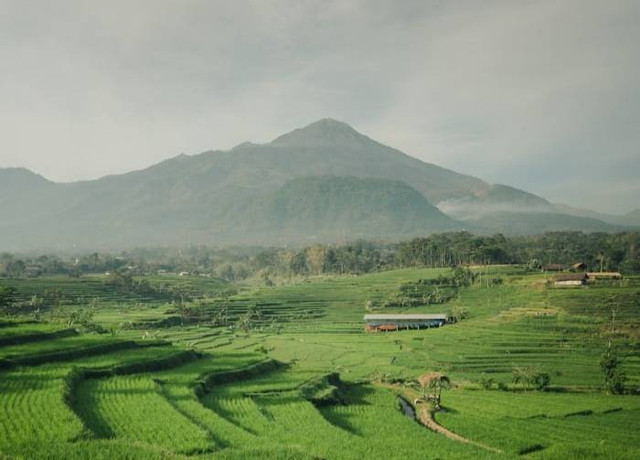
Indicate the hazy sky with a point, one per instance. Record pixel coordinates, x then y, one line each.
541 95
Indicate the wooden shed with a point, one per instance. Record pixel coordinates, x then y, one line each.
570 280
553 268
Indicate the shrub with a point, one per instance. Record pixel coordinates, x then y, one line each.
534 264
458 314
530 377
541 380
614 376
486 382
262 349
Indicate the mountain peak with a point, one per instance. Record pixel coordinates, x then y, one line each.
326 131
331 124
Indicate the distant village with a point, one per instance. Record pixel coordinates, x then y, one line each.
577 275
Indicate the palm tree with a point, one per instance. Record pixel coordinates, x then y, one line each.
436 381
438 384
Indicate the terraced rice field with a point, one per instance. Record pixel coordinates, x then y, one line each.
129 407
271 390
34 411
543 423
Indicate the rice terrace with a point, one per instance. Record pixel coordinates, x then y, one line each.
192 366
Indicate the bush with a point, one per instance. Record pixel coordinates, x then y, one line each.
614 376
534 264
530 377
541 380
486 382
458 314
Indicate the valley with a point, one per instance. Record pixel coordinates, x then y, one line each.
288 371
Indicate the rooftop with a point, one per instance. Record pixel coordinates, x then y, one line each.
571 277
405 317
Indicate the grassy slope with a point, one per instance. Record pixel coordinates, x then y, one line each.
519 323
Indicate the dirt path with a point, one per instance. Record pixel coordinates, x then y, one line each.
425 415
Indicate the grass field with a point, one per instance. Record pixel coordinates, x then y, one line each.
264 387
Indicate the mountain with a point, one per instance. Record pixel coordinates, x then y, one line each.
632 218
534 223
314 183
20 179
330 147
20 187
330 208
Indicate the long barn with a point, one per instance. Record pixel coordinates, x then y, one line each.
394 322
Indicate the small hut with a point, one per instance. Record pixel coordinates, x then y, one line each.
570 280
579 267
553 268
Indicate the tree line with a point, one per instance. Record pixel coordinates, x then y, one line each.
606 251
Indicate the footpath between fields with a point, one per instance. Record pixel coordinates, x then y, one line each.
425 414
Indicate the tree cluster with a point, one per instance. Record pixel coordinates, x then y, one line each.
616 252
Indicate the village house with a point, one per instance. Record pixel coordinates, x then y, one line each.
593 276
570 280
553 268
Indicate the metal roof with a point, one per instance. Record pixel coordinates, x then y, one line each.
405 317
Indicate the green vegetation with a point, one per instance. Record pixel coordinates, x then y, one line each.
175 275
172 367
329 207
614 376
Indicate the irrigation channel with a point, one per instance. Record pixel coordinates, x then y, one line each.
407 409
424 415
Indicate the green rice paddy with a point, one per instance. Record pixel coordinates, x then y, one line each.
303 380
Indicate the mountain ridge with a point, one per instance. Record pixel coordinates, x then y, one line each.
194 199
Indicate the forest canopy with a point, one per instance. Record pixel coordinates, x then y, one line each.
606 251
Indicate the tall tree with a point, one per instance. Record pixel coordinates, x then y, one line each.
7 298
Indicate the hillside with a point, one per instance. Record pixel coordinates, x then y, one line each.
533 223
286 371
239 196
18 185
327 147
329 208
632 218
